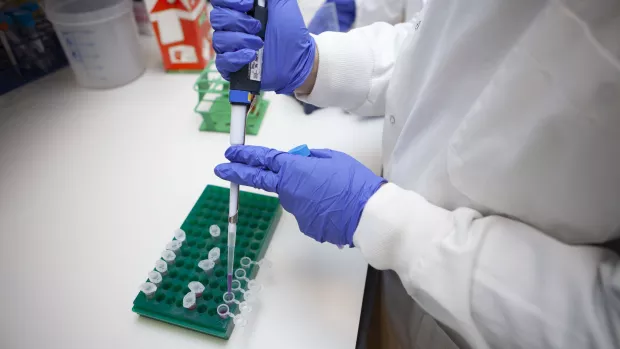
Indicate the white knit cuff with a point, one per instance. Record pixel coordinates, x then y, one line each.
344 72
391 212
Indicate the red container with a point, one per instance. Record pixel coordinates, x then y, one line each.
183 33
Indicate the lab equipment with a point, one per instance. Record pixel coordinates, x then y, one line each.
148 288
155 277
25 20
183 33
180 235
206 265
174 246
245 84
252 285
29 48
248 295
214 230
189 301
229 298
196 287
215 109
224 311
246 263
168 256
334 214
34 43
7 50
259 216
214 254
285 64
286 61
161 266
16 46
301 150
100 39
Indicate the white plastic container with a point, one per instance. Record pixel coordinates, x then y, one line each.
100 39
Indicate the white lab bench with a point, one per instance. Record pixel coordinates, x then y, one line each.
92 185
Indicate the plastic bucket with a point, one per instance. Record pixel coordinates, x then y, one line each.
100 39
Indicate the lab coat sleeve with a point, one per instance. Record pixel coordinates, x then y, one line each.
355 67
498 282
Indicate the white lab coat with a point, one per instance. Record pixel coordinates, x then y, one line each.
502 147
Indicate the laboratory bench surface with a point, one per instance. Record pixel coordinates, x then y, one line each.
94 182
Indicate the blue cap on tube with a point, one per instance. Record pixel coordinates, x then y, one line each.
301 150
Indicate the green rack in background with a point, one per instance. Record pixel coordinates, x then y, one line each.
214 107
258 217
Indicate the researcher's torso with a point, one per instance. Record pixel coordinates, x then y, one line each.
512 108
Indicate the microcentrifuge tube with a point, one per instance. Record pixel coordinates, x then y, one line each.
246 262
247 295
224 311
189 301
196 287
161 267
180 235
206 265
155 277
244 307
174 246
251 284
214 254
168 256
214 230
148 288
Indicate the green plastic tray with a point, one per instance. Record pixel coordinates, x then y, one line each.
218 117
214 107
258 216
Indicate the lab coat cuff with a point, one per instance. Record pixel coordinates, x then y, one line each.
430 248
344 73
395 220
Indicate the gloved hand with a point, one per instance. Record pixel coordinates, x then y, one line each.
326 192
288 53
346 13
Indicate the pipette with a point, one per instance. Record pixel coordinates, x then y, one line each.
244 86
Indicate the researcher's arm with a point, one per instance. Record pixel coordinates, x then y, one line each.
349 70
352 70
497 282
505 283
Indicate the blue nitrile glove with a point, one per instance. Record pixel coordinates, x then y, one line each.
326 192
288 53
346 13
325 19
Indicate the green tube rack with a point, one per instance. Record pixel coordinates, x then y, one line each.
258 217
214 107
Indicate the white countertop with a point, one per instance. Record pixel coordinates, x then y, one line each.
92 185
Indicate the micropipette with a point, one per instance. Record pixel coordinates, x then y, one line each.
244 86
